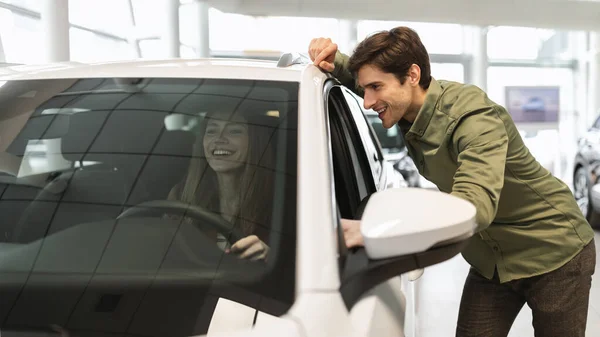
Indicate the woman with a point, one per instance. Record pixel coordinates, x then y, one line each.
228 175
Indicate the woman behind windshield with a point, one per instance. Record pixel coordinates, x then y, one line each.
229 175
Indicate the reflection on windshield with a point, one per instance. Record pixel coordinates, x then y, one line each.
132 206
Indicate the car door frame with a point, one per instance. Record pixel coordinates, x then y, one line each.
388 177
380 311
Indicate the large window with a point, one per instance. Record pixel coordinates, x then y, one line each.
149 18
438 38
21 37
520 43
110 16
87 46
448 71
152 48
285 34
34 5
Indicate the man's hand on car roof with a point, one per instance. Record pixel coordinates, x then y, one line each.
322 53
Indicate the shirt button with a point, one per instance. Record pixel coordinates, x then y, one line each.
496 248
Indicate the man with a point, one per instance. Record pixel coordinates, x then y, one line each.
532 245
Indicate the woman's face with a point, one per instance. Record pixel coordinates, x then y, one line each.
226 145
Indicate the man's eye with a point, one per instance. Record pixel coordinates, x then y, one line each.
211 131
236 131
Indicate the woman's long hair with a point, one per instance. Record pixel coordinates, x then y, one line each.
200 187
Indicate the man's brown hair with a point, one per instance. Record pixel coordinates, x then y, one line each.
393 51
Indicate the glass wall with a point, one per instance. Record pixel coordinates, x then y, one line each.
34 5
529 57
521 43
147 17
448 71
266 33
438 38
108 16
87 46
93 37
14 29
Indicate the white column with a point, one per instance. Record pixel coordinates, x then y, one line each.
202 29
171 28
479 62
593 92
55 27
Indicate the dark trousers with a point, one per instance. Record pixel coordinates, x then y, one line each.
558 300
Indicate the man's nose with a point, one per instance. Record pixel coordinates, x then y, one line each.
369 101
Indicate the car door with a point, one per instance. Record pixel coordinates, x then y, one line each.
383 171
358 172
589 146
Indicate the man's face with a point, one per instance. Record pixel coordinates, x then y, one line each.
385 95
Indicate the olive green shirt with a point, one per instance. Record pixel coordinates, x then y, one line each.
528 221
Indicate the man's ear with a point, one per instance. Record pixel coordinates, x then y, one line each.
414 75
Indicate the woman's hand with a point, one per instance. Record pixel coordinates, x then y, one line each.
250 247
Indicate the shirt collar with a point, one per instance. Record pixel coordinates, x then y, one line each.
418 127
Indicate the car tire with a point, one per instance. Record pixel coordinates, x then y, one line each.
582 194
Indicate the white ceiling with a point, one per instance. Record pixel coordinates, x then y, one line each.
557 14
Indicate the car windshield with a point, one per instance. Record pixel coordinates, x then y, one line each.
131 207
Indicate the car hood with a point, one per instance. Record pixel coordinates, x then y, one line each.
274 327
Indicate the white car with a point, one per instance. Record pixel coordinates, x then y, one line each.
111 187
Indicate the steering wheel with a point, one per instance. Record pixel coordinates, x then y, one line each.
208 220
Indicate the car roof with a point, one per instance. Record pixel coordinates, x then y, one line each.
224 68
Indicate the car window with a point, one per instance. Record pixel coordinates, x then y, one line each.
120 200
390 139
354 178
368 139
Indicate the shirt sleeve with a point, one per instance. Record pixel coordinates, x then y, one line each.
481 142
344 75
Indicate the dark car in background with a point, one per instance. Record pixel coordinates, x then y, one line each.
395 150
586 174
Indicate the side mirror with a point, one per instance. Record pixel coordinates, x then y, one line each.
404 230
405 221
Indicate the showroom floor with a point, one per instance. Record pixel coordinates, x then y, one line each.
440 288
